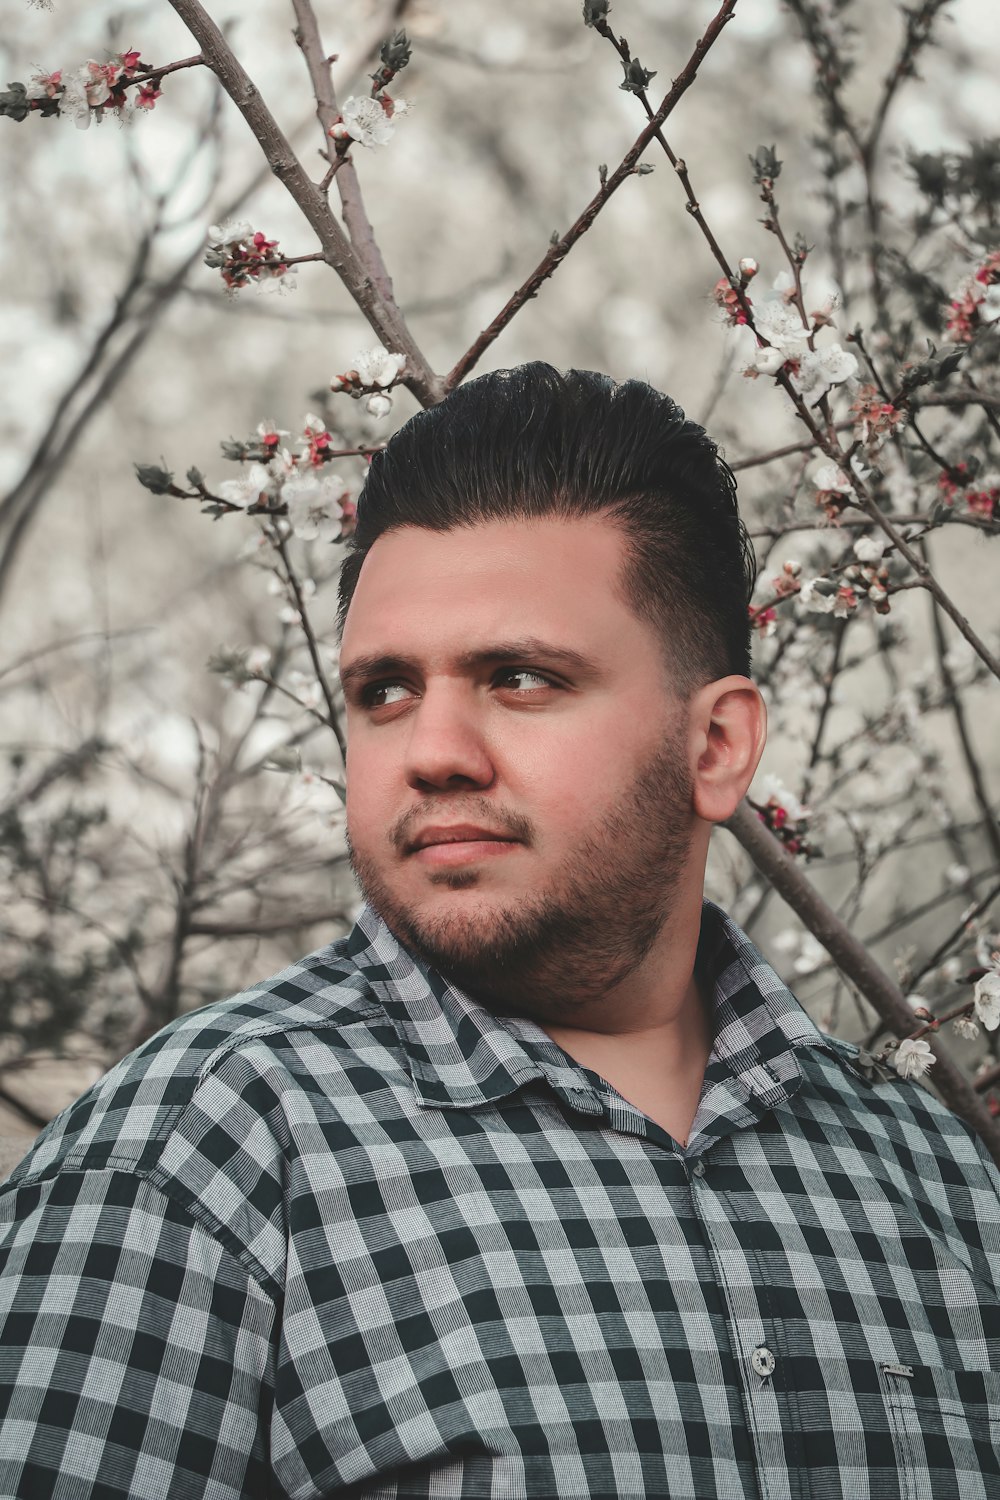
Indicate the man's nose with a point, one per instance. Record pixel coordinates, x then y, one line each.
448 744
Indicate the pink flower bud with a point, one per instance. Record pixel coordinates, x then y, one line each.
748 268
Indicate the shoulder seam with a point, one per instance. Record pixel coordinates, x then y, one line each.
202 1219
238 1039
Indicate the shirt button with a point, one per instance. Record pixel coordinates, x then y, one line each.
762 1360
698 1170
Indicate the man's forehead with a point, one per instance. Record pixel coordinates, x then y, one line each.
566 553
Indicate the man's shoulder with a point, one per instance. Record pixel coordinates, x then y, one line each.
125 1118
898 1123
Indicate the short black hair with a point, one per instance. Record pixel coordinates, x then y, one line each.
533 441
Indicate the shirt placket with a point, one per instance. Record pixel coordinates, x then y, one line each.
754 1342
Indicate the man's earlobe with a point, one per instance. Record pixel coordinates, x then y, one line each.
729 728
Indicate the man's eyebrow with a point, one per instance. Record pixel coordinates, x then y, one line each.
363 668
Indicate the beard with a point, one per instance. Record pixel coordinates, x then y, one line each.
550 954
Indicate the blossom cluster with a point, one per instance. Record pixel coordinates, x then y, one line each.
372 373
319 504
977 301
790 343
782 812
87 92
835 488
763 617
367 121
981 498
875 418
733 306
868 578
244 256
913 1056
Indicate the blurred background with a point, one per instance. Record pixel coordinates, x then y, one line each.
170 831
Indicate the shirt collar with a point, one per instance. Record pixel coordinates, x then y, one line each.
461 1055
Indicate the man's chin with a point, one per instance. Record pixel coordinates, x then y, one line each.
464 934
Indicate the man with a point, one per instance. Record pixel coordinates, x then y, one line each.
540 1182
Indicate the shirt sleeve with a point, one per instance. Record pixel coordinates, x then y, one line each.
136 1351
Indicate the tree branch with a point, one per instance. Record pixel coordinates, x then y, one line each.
857 965
387 322
559 251
358 224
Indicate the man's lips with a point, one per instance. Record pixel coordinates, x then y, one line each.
459 843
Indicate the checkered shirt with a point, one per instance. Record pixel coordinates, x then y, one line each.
350 1234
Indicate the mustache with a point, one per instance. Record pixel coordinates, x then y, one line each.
503 822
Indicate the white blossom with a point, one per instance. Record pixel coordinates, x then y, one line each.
258 660
957 874
771 788
378 405
367 121
230 232
768 361
829 477
986 946
781 326
810 955
986 999
845 602
74 99
816 603
43 86
784 285
869 549
272 282
912 1057
248 489
313 506
821 369
377 366
966 1027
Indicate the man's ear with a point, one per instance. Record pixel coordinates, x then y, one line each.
728 727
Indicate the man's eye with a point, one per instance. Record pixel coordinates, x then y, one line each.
376 694
536 678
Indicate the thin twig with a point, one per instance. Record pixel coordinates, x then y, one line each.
558 252
954 701
310 635
185 62
956 934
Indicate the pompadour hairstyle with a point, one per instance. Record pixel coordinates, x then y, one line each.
532 441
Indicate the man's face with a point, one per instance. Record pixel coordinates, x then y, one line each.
501 695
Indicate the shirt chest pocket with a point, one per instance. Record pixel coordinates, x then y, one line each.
945 1427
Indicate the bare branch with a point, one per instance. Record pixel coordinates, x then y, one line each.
857 965
954 701
314 656
387 322
559 251
358 224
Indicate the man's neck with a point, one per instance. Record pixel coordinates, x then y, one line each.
659 1068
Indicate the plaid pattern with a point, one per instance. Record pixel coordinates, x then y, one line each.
350 1234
